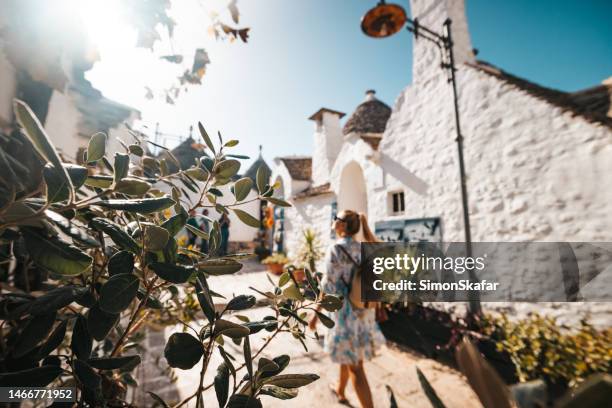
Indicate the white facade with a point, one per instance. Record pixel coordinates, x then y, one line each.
536 171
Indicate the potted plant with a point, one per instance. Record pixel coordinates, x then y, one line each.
310 251
275 263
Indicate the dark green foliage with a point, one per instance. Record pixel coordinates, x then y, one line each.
100 323
35 331
121 262
222 384
101 267
183 351
82 342
172 273
117 294
241 302
34 377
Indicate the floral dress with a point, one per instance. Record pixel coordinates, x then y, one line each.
355 336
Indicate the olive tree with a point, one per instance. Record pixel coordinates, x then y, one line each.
90 255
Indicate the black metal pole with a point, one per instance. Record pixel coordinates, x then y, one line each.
474 302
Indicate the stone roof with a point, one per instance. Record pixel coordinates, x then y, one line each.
314 191
318 115
300 168
98 114
593 104
371 116
187 152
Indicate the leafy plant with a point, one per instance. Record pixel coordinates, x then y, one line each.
90 258
276 258
541 348
310 251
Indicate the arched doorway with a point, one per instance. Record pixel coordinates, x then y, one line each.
352 194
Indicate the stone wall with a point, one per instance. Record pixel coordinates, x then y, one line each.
313 212
534 173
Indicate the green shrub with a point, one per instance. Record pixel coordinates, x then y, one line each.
276 258
89 258
542 348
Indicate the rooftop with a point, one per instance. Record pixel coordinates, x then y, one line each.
371 116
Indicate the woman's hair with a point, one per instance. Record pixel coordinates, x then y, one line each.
354 222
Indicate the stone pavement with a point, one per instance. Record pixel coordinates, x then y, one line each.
391 367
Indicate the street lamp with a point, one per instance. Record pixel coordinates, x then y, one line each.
383 21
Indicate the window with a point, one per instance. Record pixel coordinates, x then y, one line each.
396 203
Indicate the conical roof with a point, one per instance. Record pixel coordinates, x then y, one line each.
371 116
252 170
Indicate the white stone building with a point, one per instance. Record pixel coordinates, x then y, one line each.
538 160
49 75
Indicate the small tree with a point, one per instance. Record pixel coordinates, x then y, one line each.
89 257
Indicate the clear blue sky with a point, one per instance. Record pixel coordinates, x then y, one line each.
303 55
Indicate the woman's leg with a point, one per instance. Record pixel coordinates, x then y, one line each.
360 383
342 381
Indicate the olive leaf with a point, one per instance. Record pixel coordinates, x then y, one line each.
206 137
33 377
56 255
57 188
132 186
96 147
277 201
136 150
54 340
222 383
35 331
183 351
100 323
81 343
241 302
87 375
155 238
219 266
261 179
141 205
175 223
227 169
99 181
242 188
230 329
247 218
327 322
118 292
116 233
291 380
122 165
121 262
114 363
39 139
172 273
279 392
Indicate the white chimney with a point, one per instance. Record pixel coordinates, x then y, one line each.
327 143
426 55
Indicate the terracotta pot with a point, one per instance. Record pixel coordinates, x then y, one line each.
275 268
299 275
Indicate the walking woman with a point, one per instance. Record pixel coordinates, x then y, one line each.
355 336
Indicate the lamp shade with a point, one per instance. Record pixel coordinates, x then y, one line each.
383 20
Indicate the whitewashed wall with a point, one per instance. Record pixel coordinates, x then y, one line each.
62 124
312 212
534 173
8 85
